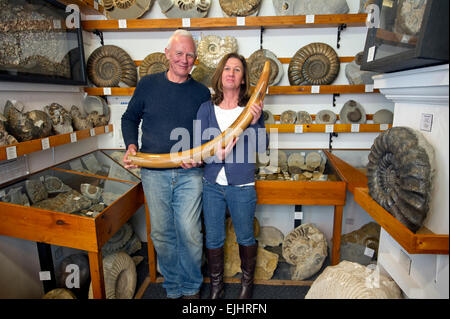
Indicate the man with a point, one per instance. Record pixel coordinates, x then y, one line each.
166 102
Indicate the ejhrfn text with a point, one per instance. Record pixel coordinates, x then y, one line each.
231 309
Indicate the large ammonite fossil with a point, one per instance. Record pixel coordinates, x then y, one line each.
185 8
108 65
203 74
314 64
256 63
352 113
400 173
207 150
326 117
304 7
212 48
240 8
153 63
126 9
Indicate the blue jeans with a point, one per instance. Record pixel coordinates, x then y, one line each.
174 200
241 202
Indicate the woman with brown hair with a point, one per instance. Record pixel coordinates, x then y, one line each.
228 179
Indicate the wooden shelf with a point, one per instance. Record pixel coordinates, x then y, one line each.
298 21
54 140
327 128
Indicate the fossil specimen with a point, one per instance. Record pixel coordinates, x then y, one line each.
270 236
240 8
355 75
314 64
153 63
5 137
203 74
288 117
91 191
349 280
256 63
304 7
185 8
383 117
61 119
326 117
118 241
296 163
352 113
59 293
54 185
79 121
303 117
109 65
35 190
400 173
409 16
212 48
268 117
68 202
366 236
126 9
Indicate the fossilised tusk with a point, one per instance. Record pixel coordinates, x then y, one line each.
202 152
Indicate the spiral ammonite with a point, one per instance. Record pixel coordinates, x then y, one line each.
153 63
256 63
239 8
185 8
212 48
109 64
126 9
314 64
400 173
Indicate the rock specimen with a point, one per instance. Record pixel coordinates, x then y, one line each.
61 119
69 202
270 236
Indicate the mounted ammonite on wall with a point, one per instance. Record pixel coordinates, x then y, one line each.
126 9
212 48
109 65
184 8
256 64
314 64
400 174
240 8
304 7
153 63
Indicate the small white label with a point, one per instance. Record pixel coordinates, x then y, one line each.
45 275
107 129
106 91
369 252
11 152
298 128
315 89
240 20
122 23
73 137
45 143
310 18
298 215
329 128
56 24
426 122
405 38
355 128
186 22
369 88
384 127
92 131
371 54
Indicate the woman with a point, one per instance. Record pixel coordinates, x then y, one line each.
229 176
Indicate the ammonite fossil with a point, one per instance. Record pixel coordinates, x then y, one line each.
326 117
400 173
352 113
5 137
314 64
212 48
256 63
118 241
185 8
303 117
240 8
296 163
304 7
383 116
108 65
126 9
268 117
203 74
153 63
288 117
79 121
61 118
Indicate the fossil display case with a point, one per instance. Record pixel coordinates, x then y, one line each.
67 205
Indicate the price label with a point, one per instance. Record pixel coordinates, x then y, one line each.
369 252
315 89
298 129
11 152
369 88
122 23
92 131
240 20
329 128
45 143
384 127
405 38
310 18
106 91
186 22
107 129
45 275
298 215
73 137
355 128
371 54
56 24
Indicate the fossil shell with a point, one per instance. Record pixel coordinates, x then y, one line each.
153 63
313 160
352 113
296 163
126 9
59 293
79 121
268 117
326 117
61 118
303 117
109 65
314 64
68 202
5 137
400 174
304 7
366 236
212 48
270 236
91 191
185 8
306 248
383 117
35 190
349 280
240 8
256 63
118 241
203 74
409 16
288 117
54 185
15 196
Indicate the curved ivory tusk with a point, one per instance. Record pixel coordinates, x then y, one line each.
202 152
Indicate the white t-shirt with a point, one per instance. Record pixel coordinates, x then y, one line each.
226 117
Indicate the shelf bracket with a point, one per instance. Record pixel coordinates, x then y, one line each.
339 30
330 147
261 37
100 35
335 95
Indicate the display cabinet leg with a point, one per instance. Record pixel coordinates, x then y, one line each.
46 263
337 230
97 279
150 247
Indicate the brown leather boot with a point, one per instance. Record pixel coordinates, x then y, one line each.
248 264
215 267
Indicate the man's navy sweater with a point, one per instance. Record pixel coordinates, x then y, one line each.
163 106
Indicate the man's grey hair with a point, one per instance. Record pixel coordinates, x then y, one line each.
181 33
